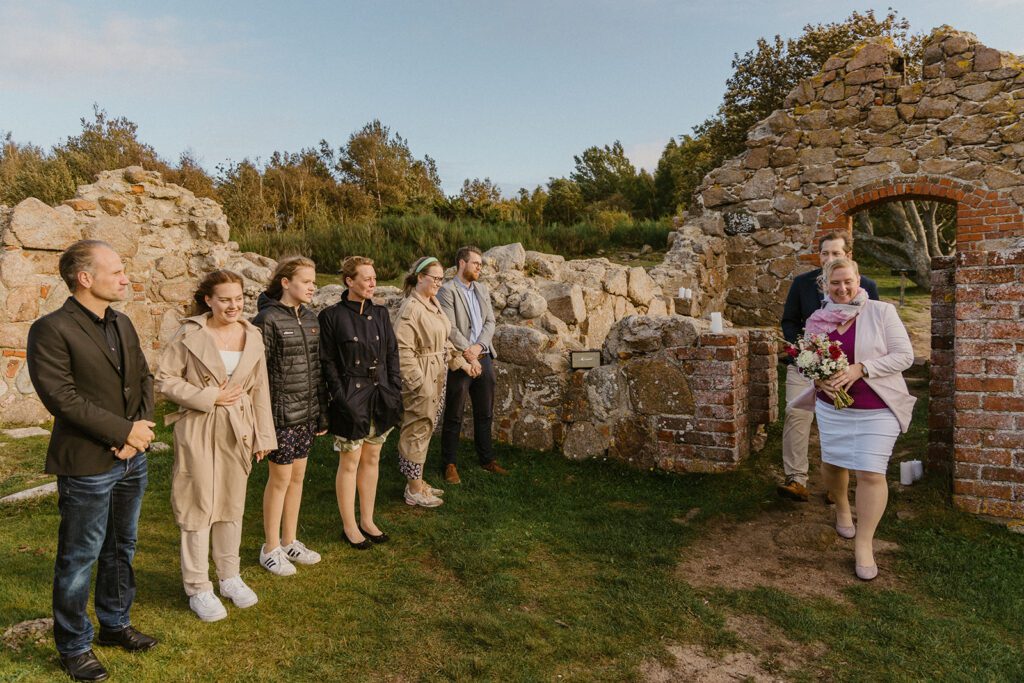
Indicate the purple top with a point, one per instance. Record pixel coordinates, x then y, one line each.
864 397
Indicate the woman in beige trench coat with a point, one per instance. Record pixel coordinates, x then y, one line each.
424 355
215 370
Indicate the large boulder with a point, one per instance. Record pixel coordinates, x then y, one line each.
35 225
507 257
565 301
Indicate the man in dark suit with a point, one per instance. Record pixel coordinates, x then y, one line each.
804 298
467 303
88 369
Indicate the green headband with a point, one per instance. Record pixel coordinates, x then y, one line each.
426 262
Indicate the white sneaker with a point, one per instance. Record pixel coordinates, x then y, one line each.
276 562
437 493
423 498
240 594
298 552
207 607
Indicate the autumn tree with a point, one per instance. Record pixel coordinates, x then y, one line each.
381 165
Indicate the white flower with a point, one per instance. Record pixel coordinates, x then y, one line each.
806 359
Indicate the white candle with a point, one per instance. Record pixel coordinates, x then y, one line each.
716 323
906 473
917 469
689 293
682 292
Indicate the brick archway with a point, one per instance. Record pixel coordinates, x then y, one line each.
980 214
976 412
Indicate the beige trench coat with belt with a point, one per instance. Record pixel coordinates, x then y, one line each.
425 355
213 445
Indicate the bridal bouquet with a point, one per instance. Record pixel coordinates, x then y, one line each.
818 357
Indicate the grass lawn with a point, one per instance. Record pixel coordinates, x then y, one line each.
562 571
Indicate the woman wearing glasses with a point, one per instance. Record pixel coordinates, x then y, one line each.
425 355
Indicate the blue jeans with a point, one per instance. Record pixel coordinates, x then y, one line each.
99 520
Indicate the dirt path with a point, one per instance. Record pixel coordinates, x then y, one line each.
794 549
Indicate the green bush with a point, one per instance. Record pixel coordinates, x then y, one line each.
395 241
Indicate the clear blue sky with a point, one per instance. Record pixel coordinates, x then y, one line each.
505 90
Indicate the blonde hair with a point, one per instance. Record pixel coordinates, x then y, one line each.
286 268
828 268
350 267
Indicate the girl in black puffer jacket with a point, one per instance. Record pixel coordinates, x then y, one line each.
291 336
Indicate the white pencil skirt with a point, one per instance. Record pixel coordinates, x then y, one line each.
856 439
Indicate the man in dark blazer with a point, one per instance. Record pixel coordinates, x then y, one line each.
804 298
467 303
88 369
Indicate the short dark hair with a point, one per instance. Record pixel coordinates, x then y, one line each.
463 253
77 258
838 235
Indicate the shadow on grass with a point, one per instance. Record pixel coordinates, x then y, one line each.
561 569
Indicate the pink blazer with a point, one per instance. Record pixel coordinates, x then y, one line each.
883 346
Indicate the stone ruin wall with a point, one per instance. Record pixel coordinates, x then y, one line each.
166 235
858 134
855 134
670 394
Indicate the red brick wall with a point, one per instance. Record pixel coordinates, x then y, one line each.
942 405
764 376
717 437
988 477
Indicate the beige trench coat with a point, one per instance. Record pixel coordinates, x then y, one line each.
213 445
425 355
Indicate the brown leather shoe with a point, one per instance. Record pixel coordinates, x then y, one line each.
451 475
793 490
494 467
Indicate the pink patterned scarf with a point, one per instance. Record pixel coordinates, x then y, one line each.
832 315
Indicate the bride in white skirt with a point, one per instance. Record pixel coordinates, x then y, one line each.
861 437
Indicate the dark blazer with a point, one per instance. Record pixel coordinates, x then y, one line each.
359 361
76 377
805 298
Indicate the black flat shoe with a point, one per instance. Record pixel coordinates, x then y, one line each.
364 544
379 538
84 667
127 638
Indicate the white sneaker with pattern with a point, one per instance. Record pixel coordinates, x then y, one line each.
299 553
276 561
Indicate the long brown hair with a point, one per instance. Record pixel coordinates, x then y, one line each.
286 268
207 285
418 268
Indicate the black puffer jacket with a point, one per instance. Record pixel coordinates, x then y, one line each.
359 355
292 340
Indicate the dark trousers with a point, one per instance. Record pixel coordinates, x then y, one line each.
481 393
99 523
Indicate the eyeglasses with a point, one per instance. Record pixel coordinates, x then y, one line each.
437 280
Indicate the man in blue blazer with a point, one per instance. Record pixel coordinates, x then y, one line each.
467 303
804 298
